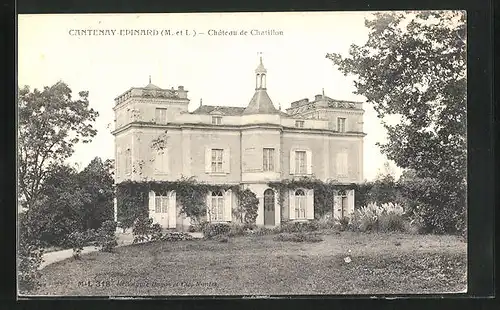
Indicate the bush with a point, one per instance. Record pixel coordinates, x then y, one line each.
236 230
298 237
176 236
77 240
221 238
106 236
29 259
292 227
387 217
211 230
144 230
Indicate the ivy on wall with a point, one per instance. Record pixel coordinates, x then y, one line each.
323 191
132 197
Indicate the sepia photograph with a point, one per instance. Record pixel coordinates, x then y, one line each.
242 154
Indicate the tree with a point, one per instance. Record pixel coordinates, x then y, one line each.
97 182
50 124
414 66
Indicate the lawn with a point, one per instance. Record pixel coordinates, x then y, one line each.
258 265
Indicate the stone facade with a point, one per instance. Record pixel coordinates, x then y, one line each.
157 138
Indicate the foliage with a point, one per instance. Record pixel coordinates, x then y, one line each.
236 230
383 218
77 240
298 237
106 236
176 236
293 227
323 191
97 181
50 124
132 197
415 69
221 238
29 256
58 212
248 205
211 230
144 230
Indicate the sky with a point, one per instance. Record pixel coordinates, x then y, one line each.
218 69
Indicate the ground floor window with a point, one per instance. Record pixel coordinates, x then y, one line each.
300 204
217 206
161 204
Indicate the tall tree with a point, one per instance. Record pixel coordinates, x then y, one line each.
414 66
97 181
50 124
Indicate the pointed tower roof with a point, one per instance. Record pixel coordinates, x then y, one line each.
260 102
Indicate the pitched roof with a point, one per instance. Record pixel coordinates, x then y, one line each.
207 109
152 86
260 104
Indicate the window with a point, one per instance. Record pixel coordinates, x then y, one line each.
161 162
217 160
342 164
216 120
128 161
300 162
300 204
217 206
268 164
161 115
161 204
299 124
341 124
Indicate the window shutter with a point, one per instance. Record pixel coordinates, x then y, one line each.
172 210
337 206
292 162
209 206
350 201
291 203
227 206
310 204
226 159
208 160
309 162
151 204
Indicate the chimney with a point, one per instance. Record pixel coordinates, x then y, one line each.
182 93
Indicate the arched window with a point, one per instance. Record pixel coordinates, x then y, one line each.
300 204
161 204
217 206
257 81
263 81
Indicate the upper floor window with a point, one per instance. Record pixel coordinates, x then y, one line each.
341 124
216 120
161 115
300 162
128 161
299 124
268 160
217 160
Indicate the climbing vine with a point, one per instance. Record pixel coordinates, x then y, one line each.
132 197
323 191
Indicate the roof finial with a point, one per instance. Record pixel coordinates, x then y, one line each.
260 53
150 79
323 92
279 106
201 102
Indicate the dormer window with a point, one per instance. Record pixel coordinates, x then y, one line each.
216 120
299 124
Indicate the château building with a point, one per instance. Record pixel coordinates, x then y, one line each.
249 146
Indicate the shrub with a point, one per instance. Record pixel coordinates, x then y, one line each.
236 230
29 259
343 223
214 229
248 205
291 227
77 240
264 231
297 237
387 217
144 230
106 236
221 238
176 236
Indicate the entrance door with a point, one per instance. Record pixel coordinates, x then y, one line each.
161 210
269 207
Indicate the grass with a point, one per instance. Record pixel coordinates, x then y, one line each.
258 265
